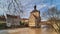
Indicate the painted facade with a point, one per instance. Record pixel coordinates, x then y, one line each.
34 18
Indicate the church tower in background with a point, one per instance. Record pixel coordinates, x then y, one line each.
34 19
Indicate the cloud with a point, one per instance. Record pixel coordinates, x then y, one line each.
41 6
29 5
25 2
1 11
51 6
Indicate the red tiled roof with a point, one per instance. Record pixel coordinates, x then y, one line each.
12 16
24 19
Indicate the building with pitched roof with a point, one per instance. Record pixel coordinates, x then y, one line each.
34 18
12 20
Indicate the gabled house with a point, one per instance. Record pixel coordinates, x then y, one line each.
12 20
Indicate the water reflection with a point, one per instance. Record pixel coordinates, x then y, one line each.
43 31
30 31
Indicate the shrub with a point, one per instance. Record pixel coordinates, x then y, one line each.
2 25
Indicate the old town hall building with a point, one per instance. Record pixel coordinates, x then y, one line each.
35 19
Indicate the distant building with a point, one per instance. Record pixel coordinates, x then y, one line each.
24 20
2 19
12 20
34 18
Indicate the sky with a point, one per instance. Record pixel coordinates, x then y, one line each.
28 6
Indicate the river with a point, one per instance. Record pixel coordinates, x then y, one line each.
29 31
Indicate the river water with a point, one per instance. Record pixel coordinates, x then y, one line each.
29 31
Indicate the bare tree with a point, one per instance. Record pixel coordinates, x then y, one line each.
15 8
53 16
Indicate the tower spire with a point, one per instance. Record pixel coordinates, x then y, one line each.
35 7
